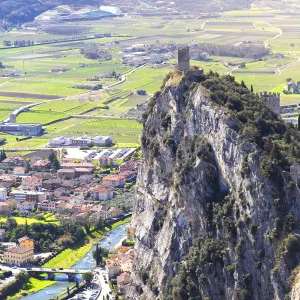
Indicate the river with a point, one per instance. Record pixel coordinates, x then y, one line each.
87 262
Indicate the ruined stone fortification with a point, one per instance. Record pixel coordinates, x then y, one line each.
178 200
272 99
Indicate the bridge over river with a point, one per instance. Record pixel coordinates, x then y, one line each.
71 273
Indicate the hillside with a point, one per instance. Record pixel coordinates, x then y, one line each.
180 7
20 11
217 210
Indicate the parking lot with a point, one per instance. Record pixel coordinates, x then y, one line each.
119 153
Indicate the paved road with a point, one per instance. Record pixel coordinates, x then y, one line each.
9 279
123 79
103 281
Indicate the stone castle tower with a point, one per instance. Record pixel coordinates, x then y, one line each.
184 59
272 99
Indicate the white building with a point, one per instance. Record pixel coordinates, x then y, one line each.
102 193
24 195
3 194
82 141
59 141
103 141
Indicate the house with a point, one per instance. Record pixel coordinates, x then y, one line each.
41 165
102 192
2 234
13 161
31 180
43 175
77 199
85 179
87 207
83 171
19 171
52 184
7 180
129 176
113 267
69 184
26 242
25 206
115 212
69 207
129 166
126 263
24 195
18 255
60 192
113 180
47 205
5 208
66 173
123 282
8 245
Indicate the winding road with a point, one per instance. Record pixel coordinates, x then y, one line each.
23 108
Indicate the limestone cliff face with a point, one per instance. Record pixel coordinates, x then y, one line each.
203 210
295 294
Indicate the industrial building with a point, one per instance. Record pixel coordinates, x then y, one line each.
23 129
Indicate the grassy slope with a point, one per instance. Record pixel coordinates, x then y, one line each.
72 255
34 285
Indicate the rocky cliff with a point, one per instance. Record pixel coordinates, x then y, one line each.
217 212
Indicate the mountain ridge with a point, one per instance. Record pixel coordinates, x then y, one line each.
216 212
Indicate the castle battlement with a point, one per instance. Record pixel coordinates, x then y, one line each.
271 99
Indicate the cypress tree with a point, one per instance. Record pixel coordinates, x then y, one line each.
97 255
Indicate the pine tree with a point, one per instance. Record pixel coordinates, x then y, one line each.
97 255
275 153
26 227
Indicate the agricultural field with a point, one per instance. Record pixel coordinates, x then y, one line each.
77 111
124 132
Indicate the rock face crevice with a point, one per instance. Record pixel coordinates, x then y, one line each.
203 210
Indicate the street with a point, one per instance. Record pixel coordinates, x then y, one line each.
102 278
5 281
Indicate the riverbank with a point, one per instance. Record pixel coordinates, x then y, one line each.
70 256
34 285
